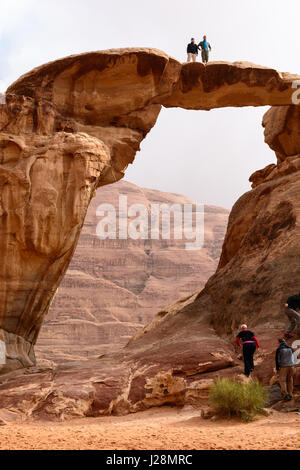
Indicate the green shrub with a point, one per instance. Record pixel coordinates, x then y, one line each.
232 398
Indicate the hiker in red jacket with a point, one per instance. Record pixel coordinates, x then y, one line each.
249 343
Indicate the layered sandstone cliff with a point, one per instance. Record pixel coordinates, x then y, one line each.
114 287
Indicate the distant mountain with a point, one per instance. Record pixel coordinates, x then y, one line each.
114 287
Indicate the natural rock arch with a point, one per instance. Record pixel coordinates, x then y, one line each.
73 125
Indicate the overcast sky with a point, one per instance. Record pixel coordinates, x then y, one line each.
207 156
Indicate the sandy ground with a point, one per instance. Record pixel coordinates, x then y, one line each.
156 429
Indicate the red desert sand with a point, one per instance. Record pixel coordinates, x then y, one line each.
156 429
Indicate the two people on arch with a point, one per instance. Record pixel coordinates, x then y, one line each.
193 48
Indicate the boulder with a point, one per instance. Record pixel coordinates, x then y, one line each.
282 131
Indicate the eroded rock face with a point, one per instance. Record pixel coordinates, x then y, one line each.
73 125
282 131
65 130
282 134
109 95
46 183
222 84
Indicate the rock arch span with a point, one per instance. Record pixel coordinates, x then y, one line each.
75 124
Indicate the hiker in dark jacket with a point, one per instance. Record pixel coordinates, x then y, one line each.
205 49
192 51
293 304
285 368
249 342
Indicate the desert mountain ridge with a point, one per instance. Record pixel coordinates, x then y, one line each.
114 287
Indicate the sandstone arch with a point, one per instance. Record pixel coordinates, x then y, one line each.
73 125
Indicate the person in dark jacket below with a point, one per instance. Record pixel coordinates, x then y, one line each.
285 368
192 51
205 49
293 304
249 342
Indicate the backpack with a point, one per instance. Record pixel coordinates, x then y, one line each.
286 357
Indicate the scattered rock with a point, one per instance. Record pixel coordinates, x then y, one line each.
274 395
8 416
266 412
208 414
286 407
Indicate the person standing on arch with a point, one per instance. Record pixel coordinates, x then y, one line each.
192 51
205 49
249 344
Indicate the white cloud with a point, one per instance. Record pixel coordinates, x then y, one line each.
3 86
12 12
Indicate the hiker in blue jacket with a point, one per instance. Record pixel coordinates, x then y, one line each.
205 49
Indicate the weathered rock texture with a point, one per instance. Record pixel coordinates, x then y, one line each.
73 125
114 287
222 84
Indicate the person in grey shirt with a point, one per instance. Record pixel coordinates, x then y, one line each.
285 364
